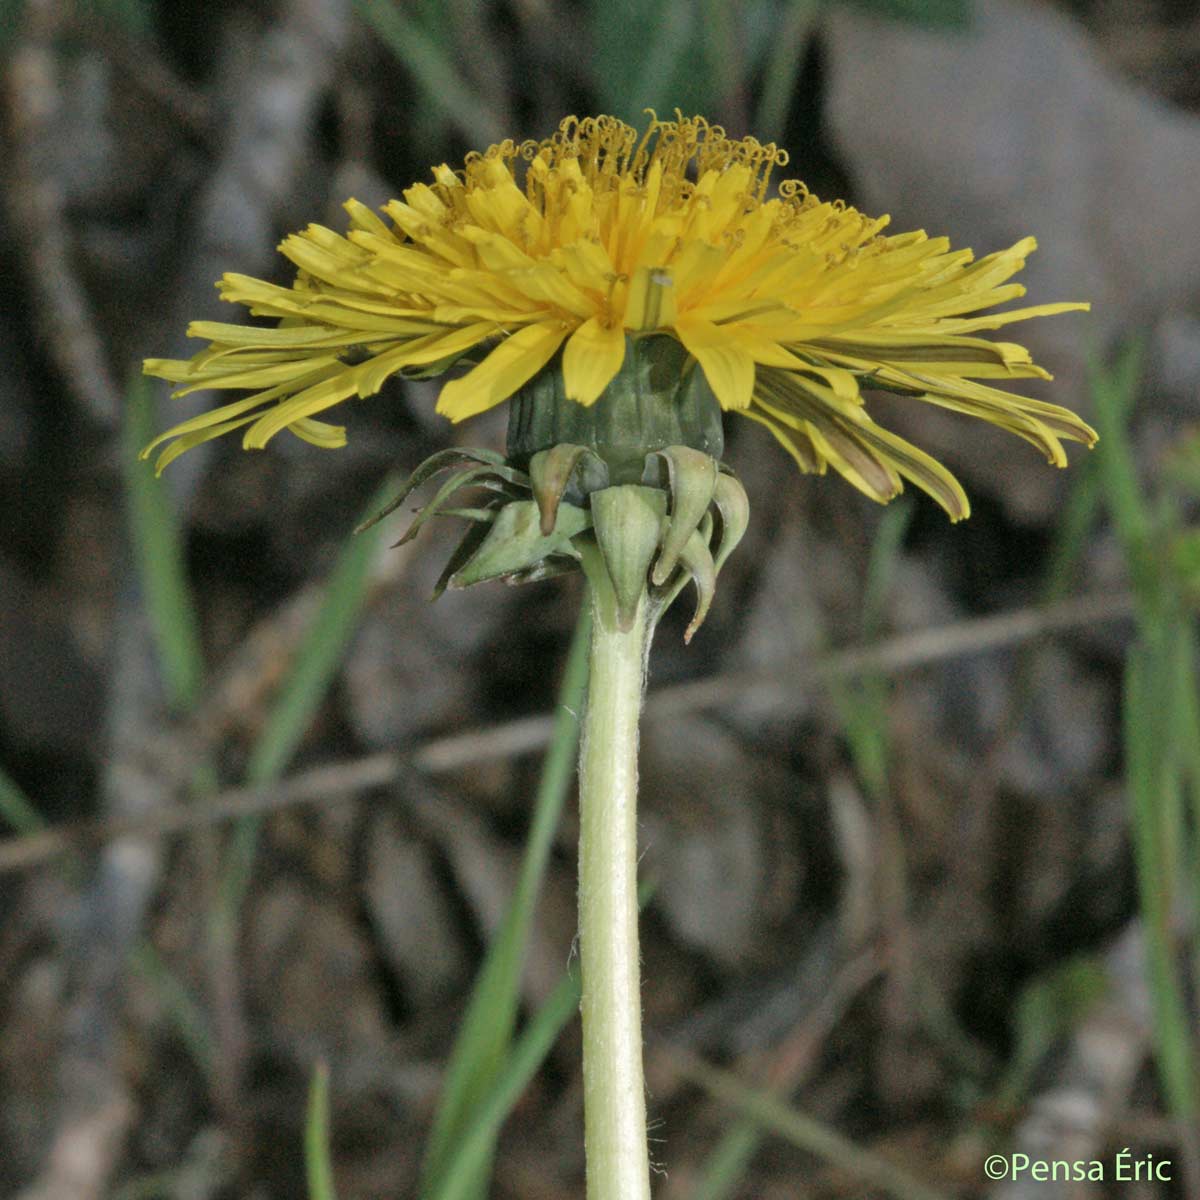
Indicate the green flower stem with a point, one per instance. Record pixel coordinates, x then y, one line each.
618 1166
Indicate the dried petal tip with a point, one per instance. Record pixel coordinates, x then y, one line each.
553 471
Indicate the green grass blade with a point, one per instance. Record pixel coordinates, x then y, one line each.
12 13
319 655
1158 724
651 55
1187 707
437 19
807 1134
317 1164
487 1028
726 1167
428 124
135 17
469 1170
17 809
1071 536
186 1015
159 558
434 71
1153 787
1181 816
881 564
862 703
862 706
1049 1006
927 14
783 66
314 665
722 50
473 1152
1085 501
1086 496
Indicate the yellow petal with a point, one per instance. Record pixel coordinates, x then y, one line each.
421 351
996 320
854 460
434 237
496 252
593 355
256 377
307 403
335 264
226 412
726 363
695 267
550 286
173 369
188 441
515 361
795 442
919 468
361 217
586 264
319 433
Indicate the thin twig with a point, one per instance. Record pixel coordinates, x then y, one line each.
528 734
896 654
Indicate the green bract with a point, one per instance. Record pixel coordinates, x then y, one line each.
657 399
631 485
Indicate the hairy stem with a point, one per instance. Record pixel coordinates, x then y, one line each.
614 1089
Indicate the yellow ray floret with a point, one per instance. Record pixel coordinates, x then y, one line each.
549 253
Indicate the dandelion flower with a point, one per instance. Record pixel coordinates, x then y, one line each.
555 253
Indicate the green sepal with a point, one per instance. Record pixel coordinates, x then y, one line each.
548 568
734 506
488 476
664 598
463 553
698 561
440 499
515 542
692 477
628 522
484 515
443 460
553 471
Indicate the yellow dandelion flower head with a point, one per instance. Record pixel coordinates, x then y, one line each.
564 248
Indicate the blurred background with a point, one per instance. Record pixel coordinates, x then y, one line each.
921 803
